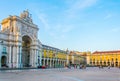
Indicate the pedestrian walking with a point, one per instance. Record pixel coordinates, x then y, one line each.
109 67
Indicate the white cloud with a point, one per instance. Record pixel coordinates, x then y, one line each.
115 30
108 16
67 29
56 30
63 28
44 21
60 31
100 6
80 5
76 6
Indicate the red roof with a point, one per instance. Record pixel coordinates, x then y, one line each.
106 52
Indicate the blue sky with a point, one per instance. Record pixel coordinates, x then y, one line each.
81 25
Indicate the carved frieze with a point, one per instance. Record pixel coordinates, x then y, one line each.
29 31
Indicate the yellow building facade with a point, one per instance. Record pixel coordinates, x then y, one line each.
105 58
77 58
53 57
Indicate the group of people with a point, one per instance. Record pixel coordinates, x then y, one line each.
81 66
101 67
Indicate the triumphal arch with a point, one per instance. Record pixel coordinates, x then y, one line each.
19 42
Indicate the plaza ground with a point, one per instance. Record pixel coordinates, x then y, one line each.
62 74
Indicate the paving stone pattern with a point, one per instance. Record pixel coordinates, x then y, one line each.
62 74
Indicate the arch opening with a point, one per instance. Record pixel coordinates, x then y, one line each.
3 61
26 44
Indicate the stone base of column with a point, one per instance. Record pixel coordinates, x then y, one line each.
20 65
9 65
17 65
14 65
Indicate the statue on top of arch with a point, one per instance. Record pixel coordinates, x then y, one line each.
26 16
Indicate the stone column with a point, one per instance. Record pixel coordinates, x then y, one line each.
34 58
114 63
31 57
35 54
20 57
44 61
73 59
10 57
110 63
61 63
40 54
38 58
67 59
17 56
53 63
64 63
47 62
14 57
119 64
58 62
0 61
50 62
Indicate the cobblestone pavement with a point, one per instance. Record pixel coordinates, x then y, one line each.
64 74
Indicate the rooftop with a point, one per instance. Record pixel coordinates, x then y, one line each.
106 52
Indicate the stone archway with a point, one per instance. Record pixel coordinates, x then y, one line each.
3 61
26 44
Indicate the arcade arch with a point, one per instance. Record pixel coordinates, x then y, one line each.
3 61
26 44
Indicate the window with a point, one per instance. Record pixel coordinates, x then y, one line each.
4 50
